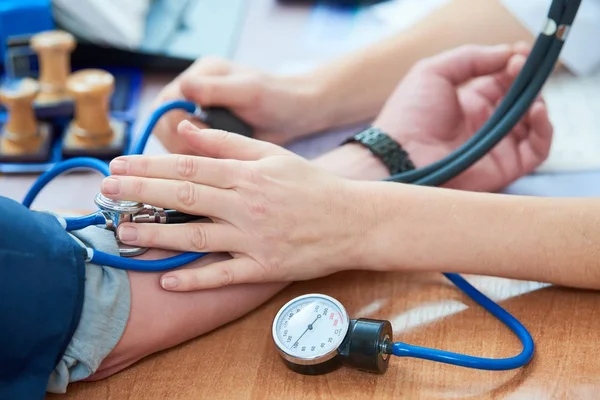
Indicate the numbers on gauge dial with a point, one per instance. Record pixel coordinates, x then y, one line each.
311 327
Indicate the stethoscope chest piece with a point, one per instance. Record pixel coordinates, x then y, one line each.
117 212
314 335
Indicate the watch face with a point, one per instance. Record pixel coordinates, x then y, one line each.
309 329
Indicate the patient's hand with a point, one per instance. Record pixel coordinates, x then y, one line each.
160 319
445 99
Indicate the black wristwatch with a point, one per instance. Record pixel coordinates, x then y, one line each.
391 154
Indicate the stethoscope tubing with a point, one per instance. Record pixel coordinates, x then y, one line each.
538 56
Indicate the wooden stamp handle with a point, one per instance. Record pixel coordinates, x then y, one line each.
53 49
18 98
92 89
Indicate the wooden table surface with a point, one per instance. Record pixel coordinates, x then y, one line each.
239 361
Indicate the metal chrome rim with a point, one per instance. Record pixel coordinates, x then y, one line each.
131 251
309 360
118 206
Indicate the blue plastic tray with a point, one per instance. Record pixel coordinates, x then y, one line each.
124 107
55 155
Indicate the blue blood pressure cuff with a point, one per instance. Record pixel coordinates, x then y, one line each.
41 298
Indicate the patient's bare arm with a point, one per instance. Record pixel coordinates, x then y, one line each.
160 319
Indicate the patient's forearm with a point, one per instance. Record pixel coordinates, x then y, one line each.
352 161
551 240
160 319
355 87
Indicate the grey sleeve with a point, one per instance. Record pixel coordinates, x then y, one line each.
106 308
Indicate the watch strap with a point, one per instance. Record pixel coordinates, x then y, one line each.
386 149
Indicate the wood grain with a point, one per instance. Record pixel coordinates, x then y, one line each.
239 361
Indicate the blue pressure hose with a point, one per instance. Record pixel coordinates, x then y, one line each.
153 120
60 168
101 258
76 223
497 364
73 223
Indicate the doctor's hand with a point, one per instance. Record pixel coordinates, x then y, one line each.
445 99
276 107
280 217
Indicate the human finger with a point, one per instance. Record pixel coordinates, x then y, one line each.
535 148
494 87
468 62
166 126
522 48
523 129
230 91
208 65
222 144
201 237
208 171
219 274
515 65
184 196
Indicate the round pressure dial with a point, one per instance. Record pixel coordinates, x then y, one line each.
309 329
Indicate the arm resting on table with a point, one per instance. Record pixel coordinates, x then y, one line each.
160 319
553 240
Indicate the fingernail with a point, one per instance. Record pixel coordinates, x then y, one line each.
119 167
127 233
169 282
501 48
521 44
111 186
186 126
191 83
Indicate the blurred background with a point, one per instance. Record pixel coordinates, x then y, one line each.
166 35
288 36
181 29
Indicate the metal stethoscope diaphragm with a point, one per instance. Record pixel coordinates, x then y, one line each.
116 212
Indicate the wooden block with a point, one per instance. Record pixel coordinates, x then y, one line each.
53 49
17 96
92 132
32 150
105 147
22 138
